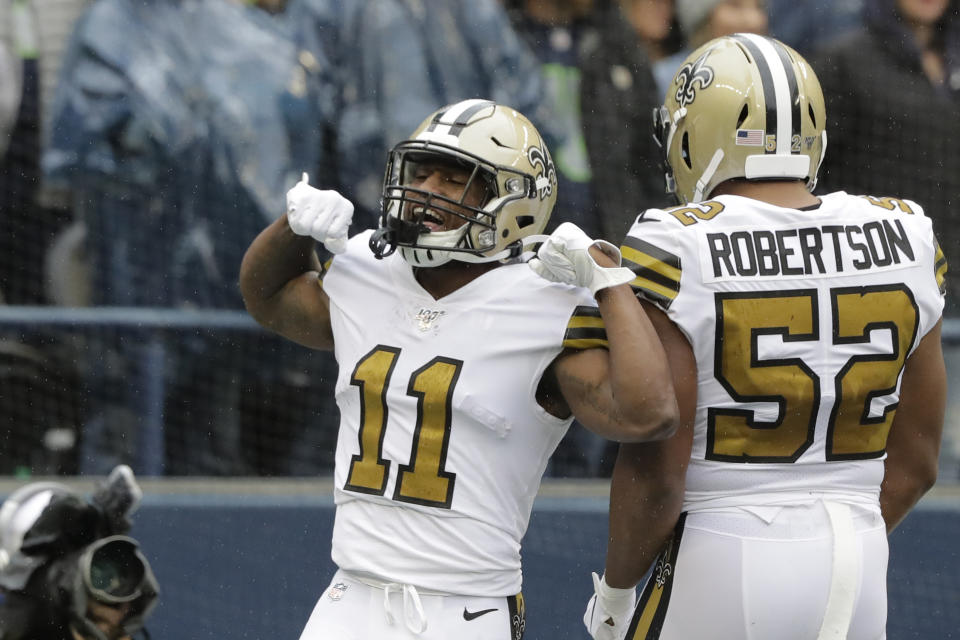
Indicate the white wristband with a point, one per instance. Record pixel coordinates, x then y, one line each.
604 277
615 600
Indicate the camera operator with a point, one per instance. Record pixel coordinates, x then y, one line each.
67 569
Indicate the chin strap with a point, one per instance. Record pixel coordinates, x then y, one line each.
515 250
704 181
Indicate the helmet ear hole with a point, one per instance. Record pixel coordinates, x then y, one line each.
525 221
724 107
743 116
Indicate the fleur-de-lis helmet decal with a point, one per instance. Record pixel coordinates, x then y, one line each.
741 106
547 176
696 72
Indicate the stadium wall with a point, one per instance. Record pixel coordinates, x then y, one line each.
249 563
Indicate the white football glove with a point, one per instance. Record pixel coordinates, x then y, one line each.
323 215
609 610
565 257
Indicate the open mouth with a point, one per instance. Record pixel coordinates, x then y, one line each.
427 217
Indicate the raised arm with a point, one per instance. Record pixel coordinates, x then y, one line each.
646 491
280 272
913 446
646 495
280 284
623 393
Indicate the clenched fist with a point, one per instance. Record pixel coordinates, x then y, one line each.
323 215
565 257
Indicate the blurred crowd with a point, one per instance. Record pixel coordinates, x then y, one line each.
144 143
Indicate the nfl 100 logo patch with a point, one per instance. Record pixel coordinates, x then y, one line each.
335 593
427 319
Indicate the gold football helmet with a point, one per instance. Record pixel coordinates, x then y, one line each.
740 106
495 145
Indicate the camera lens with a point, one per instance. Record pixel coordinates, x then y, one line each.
114 570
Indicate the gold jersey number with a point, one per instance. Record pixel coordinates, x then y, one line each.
424 481
853 431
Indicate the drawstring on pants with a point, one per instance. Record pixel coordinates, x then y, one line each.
413 615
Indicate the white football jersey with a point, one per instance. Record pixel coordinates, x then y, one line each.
800 321
442 444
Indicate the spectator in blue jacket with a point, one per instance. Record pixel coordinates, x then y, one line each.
396 59
178 126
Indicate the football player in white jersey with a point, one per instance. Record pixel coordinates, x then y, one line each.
460 368
804 337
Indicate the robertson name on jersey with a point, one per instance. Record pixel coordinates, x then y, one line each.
801 322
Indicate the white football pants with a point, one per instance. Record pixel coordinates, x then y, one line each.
352 608
808 572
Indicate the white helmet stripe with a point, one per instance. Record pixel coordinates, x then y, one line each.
793 88
447 125
776 81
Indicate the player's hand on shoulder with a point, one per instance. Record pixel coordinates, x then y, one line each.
565 257
609 611
323 215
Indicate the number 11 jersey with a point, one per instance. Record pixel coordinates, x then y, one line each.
442 443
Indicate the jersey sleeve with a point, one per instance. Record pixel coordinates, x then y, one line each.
912 208
651 253
935 301
585 329
324 269
931 296
940 267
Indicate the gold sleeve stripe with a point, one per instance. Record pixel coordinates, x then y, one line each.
658 271
940 268
653 291
584 322
653 272
586 343
651 611
586 311
323 270
651 258
585 329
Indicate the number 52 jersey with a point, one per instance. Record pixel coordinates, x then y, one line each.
442 444
801 322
